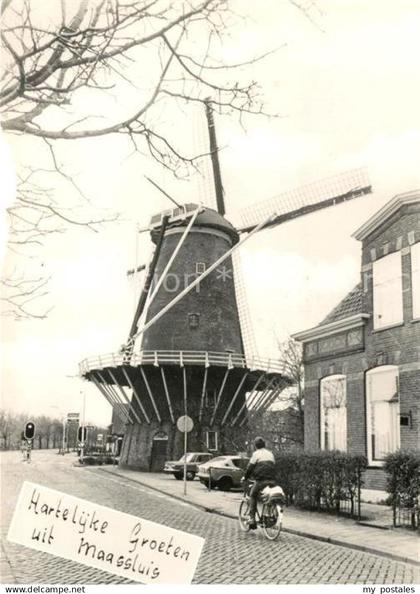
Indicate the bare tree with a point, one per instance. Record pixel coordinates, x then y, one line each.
283 423
60 59
291 356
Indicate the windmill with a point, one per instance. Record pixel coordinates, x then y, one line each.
185 351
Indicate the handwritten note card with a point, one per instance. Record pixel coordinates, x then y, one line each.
54 522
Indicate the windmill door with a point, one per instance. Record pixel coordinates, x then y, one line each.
159 452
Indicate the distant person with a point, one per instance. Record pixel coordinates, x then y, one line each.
261 468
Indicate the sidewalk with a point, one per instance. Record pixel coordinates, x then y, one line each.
398 544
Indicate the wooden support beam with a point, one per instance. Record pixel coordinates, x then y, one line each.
270 398
257 383
114 402
136 396
114 396
162 371
149 391
203 392
106 396
260 397
124 395
256 395
219 396
269 401
121 413
238 389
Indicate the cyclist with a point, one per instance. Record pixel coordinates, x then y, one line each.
261 468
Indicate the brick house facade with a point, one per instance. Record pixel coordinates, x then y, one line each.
362 362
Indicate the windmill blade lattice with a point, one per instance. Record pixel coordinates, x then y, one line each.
247 329
307 198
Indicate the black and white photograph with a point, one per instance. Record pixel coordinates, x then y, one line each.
210 295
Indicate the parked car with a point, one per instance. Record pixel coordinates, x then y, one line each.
224 472
193 460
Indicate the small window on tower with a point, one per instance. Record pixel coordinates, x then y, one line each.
200 267
210 398
211 439
193 320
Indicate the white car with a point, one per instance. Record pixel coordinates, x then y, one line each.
193 459
224 472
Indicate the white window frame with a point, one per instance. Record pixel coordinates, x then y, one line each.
370 375
200 267
216 440
415 279
322 395
387 291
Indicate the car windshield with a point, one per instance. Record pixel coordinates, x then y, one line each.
186 458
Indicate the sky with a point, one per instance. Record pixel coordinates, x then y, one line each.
347 95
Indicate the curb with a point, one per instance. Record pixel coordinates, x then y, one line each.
326 539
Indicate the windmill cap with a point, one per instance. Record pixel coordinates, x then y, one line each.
207 218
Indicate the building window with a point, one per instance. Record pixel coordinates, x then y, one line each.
333 413
211 440
387 291
193 320
200 267
382 410
415 279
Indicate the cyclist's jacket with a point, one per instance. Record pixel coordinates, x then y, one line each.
261 467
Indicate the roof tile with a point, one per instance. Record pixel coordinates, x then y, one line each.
351 305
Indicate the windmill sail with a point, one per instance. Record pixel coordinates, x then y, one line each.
247 329
306 199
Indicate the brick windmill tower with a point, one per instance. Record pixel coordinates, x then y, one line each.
185 354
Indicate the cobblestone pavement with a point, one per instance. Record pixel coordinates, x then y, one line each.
229 556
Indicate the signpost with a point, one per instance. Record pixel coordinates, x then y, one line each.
185 425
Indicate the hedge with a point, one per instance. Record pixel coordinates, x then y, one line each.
322 480
403 482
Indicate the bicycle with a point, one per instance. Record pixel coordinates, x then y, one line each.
269 516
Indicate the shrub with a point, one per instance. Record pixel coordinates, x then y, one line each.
321 480
403 478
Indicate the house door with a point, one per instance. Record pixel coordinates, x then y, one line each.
159 452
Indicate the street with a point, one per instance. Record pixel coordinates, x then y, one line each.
229 556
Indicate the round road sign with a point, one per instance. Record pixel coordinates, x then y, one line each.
185 424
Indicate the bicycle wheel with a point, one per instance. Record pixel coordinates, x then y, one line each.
243 515
272 518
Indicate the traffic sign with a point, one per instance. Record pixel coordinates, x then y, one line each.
185 424
73 416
